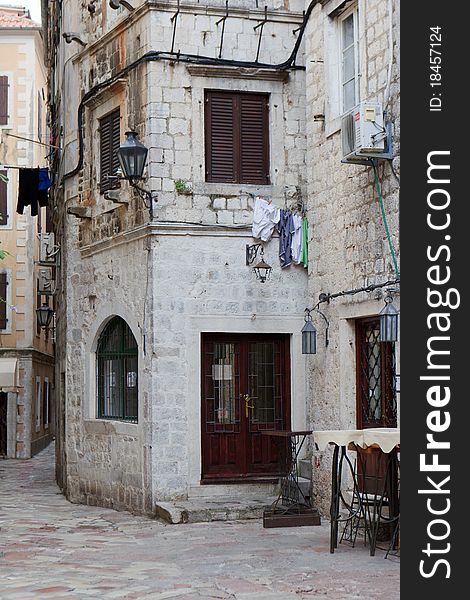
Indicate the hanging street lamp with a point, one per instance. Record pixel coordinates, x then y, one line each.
309 335
132 156
262 269
44 315
388 321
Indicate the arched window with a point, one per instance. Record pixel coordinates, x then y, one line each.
116 372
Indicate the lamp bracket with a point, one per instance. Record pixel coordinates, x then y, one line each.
252 252
325 297
308 316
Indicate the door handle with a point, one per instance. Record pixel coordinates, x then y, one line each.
247 399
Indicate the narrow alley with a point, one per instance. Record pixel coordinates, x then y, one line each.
50 548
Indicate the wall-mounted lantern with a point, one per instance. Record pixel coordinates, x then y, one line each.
132 155
309 333
388 321
262 269
44 316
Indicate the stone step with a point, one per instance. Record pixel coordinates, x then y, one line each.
305 468
215 509
305 486
237 491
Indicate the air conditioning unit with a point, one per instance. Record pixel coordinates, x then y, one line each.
364 134
46 283
48 250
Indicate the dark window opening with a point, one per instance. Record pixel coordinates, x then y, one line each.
237 137
3 301
3 100
110 137
117 362
376 377
3 198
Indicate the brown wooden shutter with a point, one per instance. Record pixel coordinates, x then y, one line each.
3 297
221 139
3 200
109 144
237 137
254 157
3 100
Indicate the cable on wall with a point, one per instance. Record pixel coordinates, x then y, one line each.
155 55
384 218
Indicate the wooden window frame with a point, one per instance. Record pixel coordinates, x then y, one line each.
108 159
353 12
388 393
238 136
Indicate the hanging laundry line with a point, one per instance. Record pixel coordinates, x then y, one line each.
25 139
4 167
291 227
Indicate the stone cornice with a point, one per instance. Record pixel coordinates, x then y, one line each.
237 72
27 353
165 228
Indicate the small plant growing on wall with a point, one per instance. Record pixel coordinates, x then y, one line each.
183 187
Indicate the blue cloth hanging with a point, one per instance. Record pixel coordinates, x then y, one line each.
44 180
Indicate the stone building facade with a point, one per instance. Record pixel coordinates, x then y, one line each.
350 248
177 287
182 278
26 351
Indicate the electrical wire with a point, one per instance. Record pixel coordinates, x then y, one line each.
394 172
155 55
217 225
384 218
390 63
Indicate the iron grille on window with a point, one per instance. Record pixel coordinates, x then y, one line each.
109 145
237 132
376 380
117 362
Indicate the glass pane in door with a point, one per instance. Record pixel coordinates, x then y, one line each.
264 385
222 387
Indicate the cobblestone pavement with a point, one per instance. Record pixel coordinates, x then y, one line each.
50 548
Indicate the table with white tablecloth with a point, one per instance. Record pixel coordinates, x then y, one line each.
375 479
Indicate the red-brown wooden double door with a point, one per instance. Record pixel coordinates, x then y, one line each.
245 390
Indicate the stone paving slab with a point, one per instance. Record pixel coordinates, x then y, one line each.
204 511
50 548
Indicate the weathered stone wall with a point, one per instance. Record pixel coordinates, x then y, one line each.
174 280
214 292
349 247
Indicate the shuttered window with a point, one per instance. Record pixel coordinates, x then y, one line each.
109 145
237 137
3 298
3 100
3 200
